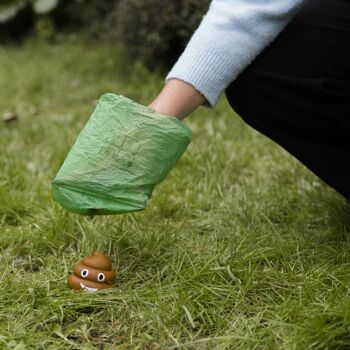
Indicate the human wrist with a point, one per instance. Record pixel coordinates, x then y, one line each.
177 99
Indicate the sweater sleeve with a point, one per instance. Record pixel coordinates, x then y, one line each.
229 37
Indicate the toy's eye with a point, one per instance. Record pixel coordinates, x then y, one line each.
84 273
101 277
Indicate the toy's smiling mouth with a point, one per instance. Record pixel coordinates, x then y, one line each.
87 289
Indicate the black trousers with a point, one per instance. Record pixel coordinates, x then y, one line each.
297 91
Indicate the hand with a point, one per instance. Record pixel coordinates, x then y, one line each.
177 99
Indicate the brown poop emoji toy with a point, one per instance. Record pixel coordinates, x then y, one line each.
92 273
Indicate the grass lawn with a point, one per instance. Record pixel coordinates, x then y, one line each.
241 247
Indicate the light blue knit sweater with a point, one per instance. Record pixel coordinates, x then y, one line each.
230 36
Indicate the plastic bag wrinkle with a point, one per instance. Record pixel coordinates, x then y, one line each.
124 150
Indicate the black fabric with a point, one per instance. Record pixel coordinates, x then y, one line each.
297 91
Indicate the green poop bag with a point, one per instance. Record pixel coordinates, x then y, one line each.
124 150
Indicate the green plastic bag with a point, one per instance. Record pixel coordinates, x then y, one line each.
124 150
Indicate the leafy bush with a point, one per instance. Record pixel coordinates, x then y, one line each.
18 17
87 16
156 31
153 31
10 8
45 18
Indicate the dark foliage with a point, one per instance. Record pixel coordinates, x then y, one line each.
156 31
152 31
